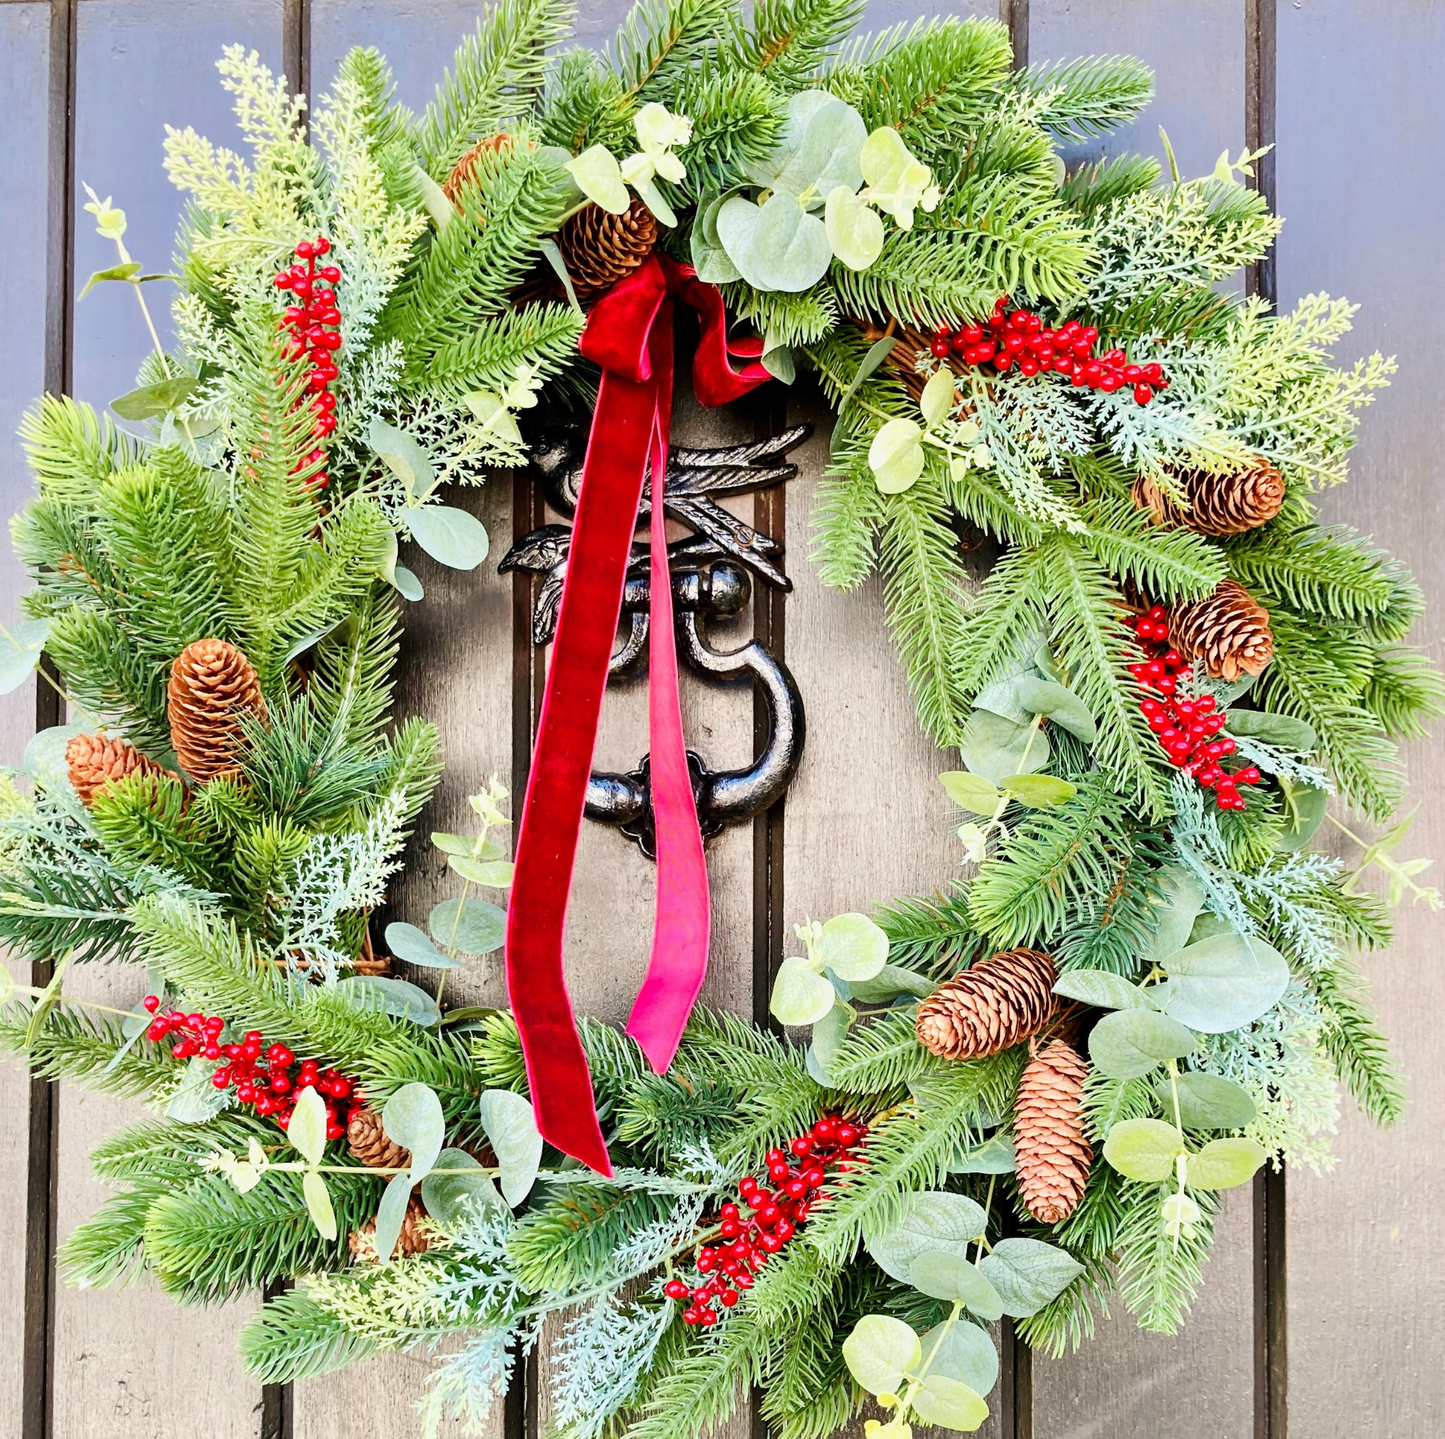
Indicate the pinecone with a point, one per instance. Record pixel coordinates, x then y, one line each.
600 248
412 1239
990 1007
1229 631
1053 1151
212 686
462 170
366 1140
1219 505
95 761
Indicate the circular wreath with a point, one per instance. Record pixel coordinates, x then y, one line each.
1018 1095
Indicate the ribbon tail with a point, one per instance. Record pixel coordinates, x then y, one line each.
682 930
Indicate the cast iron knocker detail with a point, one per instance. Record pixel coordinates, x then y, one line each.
710 580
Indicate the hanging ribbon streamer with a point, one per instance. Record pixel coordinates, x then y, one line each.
629 335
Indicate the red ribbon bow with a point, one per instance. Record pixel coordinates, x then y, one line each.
629 334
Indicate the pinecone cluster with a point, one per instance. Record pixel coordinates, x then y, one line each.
367 1141
989 1008
212 689
413 1238
96 761
1053 1152
1228 631
1219 505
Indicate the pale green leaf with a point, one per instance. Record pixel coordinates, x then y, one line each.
880 1351
1143 1149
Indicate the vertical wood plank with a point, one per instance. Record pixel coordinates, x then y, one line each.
24 57
128 1362
1125 1383
1364 1302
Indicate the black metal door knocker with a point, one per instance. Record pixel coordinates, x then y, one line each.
710 580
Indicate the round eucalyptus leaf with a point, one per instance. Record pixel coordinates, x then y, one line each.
1130 1042
413 1118
457 1188
944 1401
402 455
1101 988
44 759
1002 698
494 873
1304 811
1208 1101
995 747
942 1275
477 925
1143 1149
782 169
966 1354
1224 982
1225 1163
880 1351
931 1220
896 456
407 585
832 143
970 791
829 1034
1038 791
1284 731
737 229
852 946
1177 908
1061 705
800 994
891 980
397 997
1027 1273
20 648
409 943
790 246
855 231
599 176
307 1127
450 536
511 1127
994 1156
884 158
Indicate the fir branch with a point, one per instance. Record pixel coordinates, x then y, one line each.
1083 98
934 935
1157 1277
1357 1049
293 1337
789 40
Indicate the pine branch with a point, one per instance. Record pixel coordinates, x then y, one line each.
789 40
1404 691
1088 97
1167 565
1092 187
1156 1277
933 935
1351 1038
293 1337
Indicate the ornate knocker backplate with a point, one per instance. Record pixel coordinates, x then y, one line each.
712 577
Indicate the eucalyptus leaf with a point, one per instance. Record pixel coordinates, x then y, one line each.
511 1127
1225 1163
943 1401
20 649
1143 1149
1061 705
930 1220
402 455
1028 1274
457 1188
1130 1042
896 455
1224 982
854 230
409 943
995 747
1002 698
891 980
434 199
1207 1101
318 1204
1101 988
880 1351
994 1156
412 1117
553 256
477 925
307 1127
44 759
944 1275
963 1352
197 1100
407 585
1285 731
599 176
389 996
828 1036
463 844
1178 908
150 401
1038 791
878 351
494 873
390 1215
852 946
789 245
971 791
939 396
314 637
737 229
450 536
800 994
815 1069
1304 812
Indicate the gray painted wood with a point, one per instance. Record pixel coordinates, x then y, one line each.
24 55
1365 215
1126 1384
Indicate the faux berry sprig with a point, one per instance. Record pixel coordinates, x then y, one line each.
1019 338
314 335
268 1077
1191 730
797 1175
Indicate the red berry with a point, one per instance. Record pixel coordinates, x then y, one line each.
1142 394
940 348
689 1315
728 1298
675 1289
848 1135
802 1146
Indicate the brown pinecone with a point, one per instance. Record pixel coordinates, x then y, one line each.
599 247
412 1239
1052 1149
990 1007
212 686
1219 505
95 761
462 170
366 1140
1228 630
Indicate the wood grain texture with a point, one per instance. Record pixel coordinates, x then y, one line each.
129 1362
1126 1384
1365 1303
24 56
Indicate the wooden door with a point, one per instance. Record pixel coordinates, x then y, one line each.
1323 1301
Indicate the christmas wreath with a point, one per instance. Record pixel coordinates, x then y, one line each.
1018 1095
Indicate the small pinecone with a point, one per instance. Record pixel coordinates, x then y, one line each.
462 170
412 1239
1229 631
600 248
212 685
1053 1151
95 761
366 1140
1219 505
990 1007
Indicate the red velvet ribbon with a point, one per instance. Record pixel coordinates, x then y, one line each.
629 334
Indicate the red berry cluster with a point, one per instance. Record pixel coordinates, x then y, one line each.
796 1174
1020 338
271 1081
1190 730
314 335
